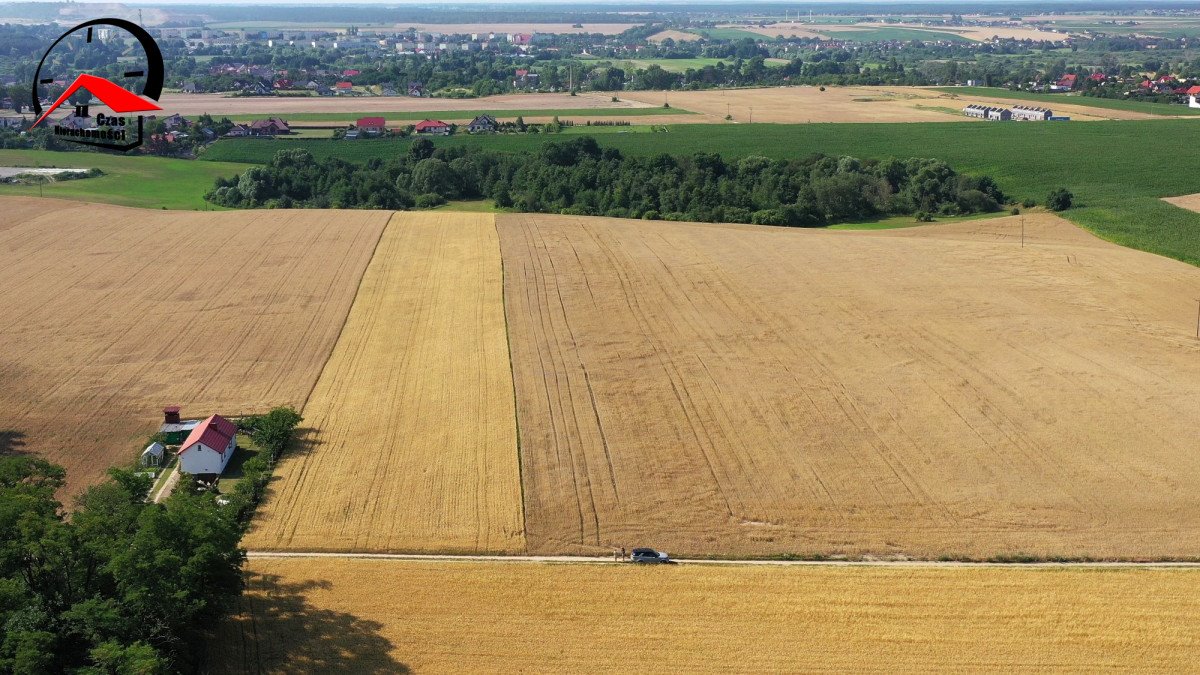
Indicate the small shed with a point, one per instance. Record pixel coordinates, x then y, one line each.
153 454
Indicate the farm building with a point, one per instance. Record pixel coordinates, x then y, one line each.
207 450
435 127
482 124
371 126
1027 112
985 112
173 429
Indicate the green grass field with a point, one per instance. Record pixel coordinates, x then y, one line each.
1117 170
461 114
148 182
1049 100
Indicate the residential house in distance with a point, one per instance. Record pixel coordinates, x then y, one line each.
272 126
1192 92
12 122
433 128
343 88
484 124
189 87
371 126
416 89
238 131
207 450
1065 83
176 121
1031 113
525 79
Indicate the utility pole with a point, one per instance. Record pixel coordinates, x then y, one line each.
751 114
1022 231
1198 318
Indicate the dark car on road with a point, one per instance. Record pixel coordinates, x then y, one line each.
649 555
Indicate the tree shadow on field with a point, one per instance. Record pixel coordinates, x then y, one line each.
278 630
11 442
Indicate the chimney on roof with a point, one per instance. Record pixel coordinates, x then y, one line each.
171 414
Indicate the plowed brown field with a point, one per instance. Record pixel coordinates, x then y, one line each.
415 446
368 616
739 390
109 313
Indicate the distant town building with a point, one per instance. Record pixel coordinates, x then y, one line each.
1031 113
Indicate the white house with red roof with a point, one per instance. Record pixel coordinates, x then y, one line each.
435 127
207 450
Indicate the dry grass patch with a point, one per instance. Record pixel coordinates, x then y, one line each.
741 390
414 443
316 615
109 313
1189 202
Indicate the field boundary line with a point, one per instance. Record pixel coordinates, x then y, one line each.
593 560
346 319
512 376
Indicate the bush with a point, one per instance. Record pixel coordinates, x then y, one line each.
975 201
924 217
429 200
1028 203
650 215
1060 200
1015 211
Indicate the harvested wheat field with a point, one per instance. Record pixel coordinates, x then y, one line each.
798 105
109 313
367 616
831 31
414 445
196 104
742 390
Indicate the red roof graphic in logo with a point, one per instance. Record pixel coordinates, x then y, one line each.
117 99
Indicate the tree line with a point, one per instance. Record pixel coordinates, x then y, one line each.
119 584
579 177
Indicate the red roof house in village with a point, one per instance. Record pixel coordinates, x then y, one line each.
207 450
343 87
1066 82
435 127
371 125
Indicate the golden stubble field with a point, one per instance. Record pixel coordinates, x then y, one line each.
740 390
379 616
832 30
109 313
414 443
801 105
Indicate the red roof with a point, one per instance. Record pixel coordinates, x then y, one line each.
370 122
521 72
1097 77
344 85
214 432
431 124
350 72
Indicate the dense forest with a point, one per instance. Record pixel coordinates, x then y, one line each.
579 177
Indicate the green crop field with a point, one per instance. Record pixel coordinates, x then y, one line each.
148 182
1117 170
461 114
1049 100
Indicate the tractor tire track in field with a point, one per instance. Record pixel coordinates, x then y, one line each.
763 391
109 313
413 440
